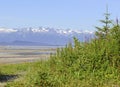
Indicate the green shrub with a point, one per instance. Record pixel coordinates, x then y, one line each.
84 64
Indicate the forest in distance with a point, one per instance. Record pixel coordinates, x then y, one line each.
93 63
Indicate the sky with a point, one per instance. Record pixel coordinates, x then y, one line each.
65 14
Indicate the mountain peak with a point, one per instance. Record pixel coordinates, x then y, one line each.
48 36
7 30
43 30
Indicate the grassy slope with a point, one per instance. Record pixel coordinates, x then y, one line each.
89 64
56 74
84 65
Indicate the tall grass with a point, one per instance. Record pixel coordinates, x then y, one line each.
90 64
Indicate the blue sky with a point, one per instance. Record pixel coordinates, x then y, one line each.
73 14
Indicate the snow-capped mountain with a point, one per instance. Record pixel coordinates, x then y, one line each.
41 36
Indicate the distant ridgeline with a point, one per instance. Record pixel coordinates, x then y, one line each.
41 36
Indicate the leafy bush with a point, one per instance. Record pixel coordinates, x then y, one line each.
84 64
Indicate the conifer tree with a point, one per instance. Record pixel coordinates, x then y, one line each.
103 32
115 31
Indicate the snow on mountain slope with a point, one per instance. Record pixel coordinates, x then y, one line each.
42 29
48 36
6 30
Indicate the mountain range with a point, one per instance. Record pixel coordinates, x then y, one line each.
42 36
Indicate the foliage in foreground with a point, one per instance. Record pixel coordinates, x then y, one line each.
89 64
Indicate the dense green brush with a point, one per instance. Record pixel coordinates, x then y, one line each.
94 63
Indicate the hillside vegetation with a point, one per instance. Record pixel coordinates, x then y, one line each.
94 63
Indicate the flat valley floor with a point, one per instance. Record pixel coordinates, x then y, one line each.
19 54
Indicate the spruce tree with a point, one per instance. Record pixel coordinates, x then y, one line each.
102 32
